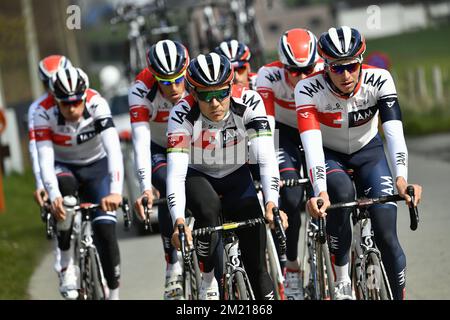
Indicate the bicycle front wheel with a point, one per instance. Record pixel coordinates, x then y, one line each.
324 272
377 288
92 276
239 289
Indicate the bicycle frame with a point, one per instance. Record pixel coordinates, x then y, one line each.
85 249
236 281
367 282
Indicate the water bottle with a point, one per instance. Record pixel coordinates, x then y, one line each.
69 203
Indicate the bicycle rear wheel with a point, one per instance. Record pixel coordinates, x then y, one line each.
324 272
375 282
192 278
239 289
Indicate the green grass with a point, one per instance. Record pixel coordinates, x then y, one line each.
434 121
22 237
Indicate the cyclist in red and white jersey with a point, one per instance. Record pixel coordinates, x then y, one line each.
47 68
79 154
207 172
297 51
151 98
239 55
338 109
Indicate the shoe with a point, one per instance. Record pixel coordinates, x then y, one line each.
343 290
68 286
173 289
293 288
209 291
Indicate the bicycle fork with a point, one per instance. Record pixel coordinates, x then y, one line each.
233 266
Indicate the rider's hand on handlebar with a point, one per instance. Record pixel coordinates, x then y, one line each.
401 188
269 216
58 209
313 209
38 198
175 236
111 202
138 203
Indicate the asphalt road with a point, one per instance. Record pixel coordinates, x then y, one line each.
428 259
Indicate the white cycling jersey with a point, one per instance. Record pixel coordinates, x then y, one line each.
149 112
347 123
32 141
218 149
278 93
77 143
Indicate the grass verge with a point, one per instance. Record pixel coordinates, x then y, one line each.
22 238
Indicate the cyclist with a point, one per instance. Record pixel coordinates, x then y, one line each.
211 126
47 67
152 96
298 58
79 154
239 55
338 108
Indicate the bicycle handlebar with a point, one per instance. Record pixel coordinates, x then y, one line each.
288 183
365 202
228 226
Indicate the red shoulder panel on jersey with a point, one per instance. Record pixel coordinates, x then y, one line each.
146 77
48 102
90 93
190 100
274 64
267 96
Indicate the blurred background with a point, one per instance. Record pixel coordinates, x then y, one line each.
108 39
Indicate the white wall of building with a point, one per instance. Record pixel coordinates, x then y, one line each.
385 20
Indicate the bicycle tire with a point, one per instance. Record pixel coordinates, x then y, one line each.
239 287
376 289
273 265
324 272
356 278
95 290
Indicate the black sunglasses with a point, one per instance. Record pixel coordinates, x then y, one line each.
219 95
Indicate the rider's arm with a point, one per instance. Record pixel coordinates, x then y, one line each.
311 136
46 154
140 110
32 147
264 88
262 146
391 119
104 125
178 146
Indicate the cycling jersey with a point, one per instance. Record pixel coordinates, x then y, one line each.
347 123
278 93
149 112
219 148
32 141
84 142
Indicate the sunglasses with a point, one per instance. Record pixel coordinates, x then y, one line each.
340 68
296 71
219 95
168 82
70 103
